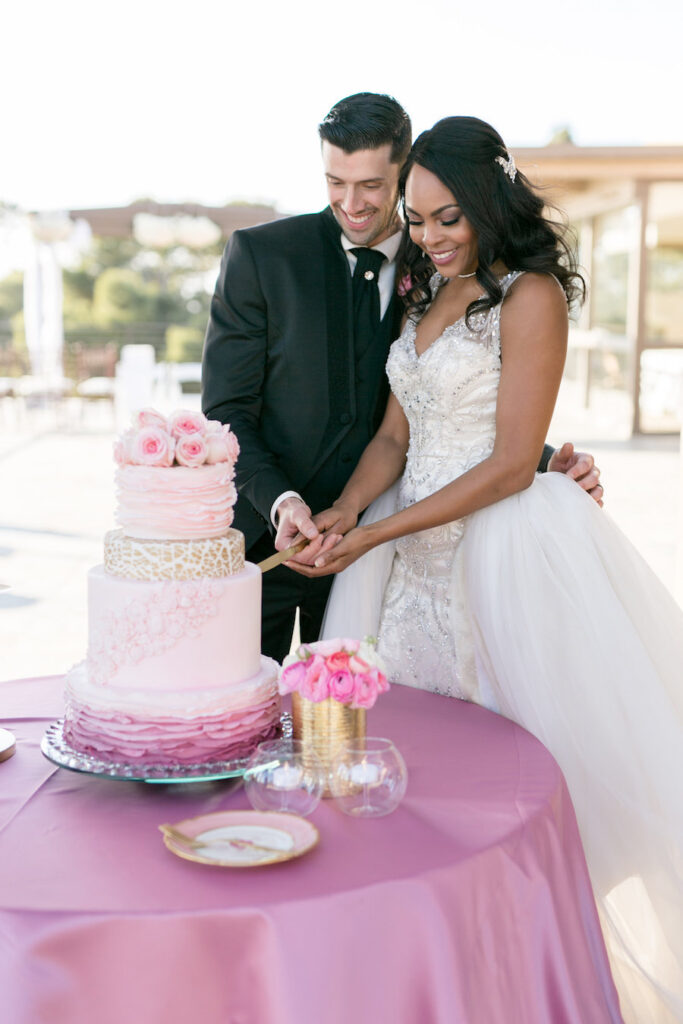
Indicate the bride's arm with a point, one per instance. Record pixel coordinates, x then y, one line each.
533 340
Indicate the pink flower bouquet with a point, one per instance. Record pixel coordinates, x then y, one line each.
349 671
185 438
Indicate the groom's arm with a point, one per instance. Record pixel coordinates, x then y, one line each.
234 371
545 458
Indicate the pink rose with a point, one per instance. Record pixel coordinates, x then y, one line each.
213 427
292 677
150 418
122 448
342 686
190 450
326 647
337 662
319 688
152 446
217 449
357 664
378 680
185 422
315 684
382 681
232 443
405 284
366 692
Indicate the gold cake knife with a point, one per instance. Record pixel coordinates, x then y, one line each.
281 556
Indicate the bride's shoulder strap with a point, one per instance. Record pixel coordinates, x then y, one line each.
514 275
507 282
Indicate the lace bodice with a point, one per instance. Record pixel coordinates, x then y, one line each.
448 394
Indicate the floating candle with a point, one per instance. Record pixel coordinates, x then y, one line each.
364 774
287 776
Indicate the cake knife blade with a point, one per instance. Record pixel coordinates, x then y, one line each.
281 556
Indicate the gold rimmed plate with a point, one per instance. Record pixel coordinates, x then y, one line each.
240 839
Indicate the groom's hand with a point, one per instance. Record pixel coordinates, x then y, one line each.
332 524
580 466
294 522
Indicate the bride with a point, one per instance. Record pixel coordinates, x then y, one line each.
485 581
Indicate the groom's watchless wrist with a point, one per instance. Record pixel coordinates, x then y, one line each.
278 501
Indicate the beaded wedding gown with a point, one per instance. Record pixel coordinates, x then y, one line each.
539 608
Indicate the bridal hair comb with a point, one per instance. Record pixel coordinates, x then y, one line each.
508 166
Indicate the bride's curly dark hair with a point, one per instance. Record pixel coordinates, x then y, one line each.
508 216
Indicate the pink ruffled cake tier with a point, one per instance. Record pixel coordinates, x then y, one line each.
175 502
180 728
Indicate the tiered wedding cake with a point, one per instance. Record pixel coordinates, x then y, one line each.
173 673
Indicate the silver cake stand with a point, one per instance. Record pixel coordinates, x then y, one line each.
57 749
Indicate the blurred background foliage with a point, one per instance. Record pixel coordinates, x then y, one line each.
124 293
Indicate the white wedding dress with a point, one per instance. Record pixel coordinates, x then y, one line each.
539 608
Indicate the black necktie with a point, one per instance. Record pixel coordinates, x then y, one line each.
366 304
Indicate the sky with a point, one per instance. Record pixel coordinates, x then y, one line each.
217 101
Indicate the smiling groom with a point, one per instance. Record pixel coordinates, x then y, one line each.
285 360
302 318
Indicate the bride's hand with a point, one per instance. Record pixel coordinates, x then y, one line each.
308 555
338 519
336 558
332 523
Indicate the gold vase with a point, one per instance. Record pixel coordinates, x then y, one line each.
323 726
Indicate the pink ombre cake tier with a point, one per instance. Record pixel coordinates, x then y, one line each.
175 502
191 726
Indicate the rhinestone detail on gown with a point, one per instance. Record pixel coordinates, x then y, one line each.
448 394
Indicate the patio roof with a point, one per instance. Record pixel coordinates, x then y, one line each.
117 221
565 164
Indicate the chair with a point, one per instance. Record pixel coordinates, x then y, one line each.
95 367
12 366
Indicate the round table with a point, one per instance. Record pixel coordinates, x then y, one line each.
471 903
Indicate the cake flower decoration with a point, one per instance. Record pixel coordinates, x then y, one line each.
185 438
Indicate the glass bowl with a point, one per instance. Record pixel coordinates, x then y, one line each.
282 775
368 777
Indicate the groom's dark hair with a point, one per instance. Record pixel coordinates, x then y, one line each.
368 120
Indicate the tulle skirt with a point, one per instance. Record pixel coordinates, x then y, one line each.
577 640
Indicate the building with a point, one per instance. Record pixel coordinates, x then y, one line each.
120 221
626 205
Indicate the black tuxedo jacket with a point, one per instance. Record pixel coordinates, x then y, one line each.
279 360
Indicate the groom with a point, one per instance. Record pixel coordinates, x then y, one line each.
302 317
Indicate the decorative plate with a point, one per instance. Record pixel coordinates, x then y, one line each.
57 749
7 744
240 839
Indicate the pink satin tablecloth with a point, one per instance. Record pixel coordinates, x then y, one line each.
470 904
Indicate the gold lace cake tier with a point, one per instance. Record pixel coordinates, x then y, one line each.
173 559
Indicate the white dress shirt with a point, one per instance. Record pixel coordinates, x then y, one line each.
387 272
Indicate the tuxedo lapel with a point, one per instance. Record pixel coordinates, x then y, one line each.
339 330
